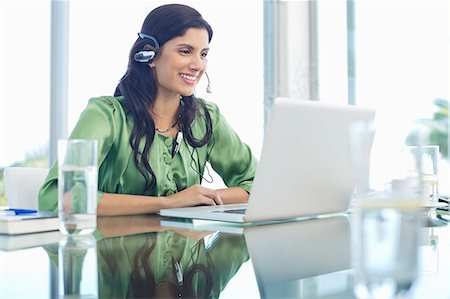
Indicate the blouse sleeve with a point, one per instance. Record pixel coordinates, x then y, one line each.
228 254
96 122
229 156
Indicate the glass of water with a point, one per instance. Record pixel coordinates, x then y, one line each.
429 163
77 186
386 217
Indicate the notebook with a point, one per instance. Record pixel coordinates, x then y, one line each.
29 223
304 168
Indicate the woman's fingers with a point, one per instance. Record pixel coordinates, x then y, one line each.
197 195
217 199
212 194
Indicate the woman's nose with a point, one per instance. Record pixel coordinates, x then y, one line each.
197 63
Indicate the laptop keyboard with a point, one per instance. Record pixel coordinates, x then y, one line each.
236 211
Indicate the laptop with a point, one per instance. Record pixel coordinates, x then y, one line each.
304 168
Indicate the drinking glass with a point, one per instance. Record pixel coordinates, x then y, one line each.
77 263
77 186
429 163
385 217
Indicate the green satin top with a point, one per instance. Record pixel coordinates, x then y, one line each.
106 120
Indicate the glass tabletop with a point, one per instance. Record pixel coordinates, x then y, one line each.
136 256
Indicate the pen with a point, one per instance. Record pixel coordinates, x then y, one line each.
443 198
16 212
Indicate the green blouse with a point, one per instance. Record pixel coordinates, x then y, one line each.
106 120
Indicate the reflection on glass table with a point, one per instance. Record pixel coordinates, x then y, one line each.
77 263
137 256
285 255
161 264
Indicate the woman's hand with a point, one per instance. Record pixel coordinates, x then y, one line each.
195 195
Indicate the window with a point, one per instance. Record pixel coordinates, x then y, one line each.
332 51
400 54
24 88
402 62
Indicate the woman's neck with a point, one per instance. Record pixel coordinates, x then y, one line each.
164 112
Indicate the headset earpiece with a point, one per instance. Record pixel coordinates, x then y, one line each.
144 56
147 55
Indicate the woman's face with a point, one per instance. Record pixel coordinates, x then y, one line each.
181 63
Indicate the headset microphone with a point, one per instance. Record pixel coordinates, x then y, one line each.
144 56
208 88
177 143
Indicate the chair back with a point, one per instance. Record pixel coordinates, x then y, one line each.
22 186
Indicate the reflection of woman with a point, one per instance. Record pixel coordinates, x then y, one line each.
137 258
155 136
146 265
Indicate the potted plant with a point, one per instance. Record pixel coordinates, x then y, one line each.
437 126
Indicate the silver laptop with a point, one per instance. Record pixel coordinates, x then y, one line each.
304 169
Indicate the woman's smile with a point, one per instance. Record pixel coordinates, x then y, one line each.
189 79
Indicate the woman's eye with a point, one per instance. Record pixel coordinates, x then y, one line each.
184 52
204 54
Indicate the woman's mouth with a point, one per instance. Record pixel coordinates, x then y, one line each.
190 79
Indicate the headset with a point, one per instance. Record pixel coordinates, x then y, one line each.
208 88
146 56
176 148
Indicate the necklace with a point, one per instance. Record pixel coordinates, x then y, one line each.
166 130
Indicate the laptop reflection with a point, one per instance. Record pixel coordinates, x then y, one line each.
284 255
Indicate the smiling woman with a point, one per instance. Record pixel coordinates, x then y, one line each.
154 135
181 60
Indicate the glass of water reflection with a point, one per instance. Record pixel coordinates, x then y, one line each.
77 264
77 186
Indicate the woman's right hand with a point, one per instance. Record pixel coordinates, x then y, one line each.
195 195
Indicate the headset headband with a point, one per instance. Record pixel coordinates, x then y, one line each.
146 36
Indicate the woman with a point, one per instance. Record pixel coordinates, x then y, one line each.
154 135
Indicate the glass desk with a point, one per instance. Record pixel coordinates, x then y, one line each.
136 256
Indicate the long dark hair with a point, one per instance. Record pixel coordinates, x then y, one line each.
138 85
142 281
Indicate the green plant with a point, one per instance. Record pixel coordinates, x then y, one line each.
437 126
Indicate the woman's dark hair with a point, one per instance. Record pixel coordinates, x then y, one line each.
142 278
143 284
138 85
